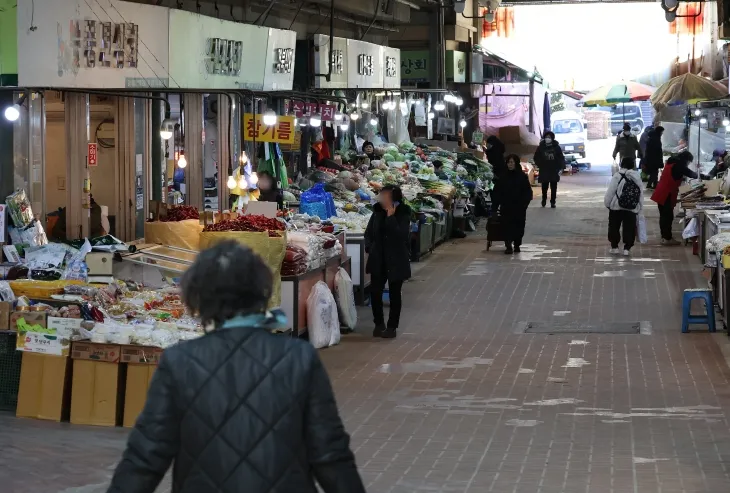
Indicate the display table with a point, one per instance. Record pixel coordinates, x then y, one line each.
710 225
355 250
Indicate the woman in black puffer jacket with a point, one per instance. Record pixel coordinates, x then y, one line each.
238 409
495 155
512 195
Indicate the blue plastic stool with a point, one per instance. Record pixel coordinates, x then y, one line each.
709 319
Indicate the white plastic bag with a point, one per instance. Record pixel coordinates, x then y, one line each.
345 299
691 230
641 228
321 316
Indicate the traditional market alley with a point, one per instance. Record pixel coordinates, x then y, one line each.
465 401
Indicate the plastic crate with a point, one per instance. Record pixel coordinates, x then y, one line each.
10 360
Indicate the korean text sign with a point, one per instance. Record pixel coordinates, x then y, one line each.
281 133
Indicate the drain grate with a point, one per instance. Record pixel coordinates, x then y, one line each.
554 327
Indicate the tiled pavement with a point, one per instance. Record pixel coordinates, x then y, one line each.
460 402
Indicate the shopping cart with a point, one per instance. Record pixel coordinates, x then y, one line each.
495 231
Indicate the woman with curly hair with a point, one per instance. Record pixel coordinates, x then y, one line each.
240 408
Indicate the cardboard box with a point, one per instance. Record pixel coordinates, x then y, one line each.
44 389
99 263
109 353
141 355
5 308
96 393
139 377
31 318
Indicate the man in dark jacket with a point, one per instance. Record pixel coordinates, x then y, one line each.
387 244
653 159
495 155
239 409
550 162
627 146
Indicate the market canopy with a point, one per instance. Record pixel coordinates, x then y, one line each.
612 94
687 89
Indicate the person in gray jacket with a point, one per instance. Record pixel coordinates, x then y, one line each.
627 145
624 200
240 409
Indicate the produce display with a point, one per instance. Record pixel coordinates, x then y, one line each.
251 222
181 213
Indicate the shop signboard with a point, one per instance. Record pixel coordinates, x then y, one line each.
338 76
279 66
364 65
209 53
456 66
476 75
281 133
326 111
414 66
391 67
100 44
92 154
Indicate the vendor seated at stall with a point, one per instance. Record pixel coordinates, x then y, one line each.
269 190
369 150
721 158
95 222
438 169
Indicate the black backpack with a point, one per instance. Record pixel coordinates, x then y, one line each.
630 194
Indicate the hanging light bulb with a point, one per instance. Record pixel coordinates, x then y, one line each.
430 115
253 178
269 118
404 107
242 183
338 116
12 113
231 183
386 105
439 106
344 126
181 161
458 102
462 123
354 105
364 105
703 121
725 122
373 121
419 102
167 128
354 116
315 120
698 112
449 98
244 157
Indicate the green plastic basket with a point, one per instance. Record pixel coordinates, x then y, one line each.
10 360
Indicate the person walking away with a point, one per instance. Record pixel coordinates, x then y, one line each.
645 136
495 155
654 157
512 196
627 146
624 200
387 244
667 191
240 408
550 162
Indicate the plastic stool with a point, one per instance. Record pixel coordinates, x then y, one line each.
709 319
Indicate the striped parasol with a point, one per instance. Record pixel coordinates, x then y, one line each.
622 92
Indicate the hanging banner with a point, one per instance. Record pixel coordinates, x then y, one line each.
279 67
456 66
281 133
414 66
391 67
321 53
364 65
209 53
326 111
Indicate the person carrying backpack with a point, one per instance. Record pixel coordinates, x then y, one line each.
624 199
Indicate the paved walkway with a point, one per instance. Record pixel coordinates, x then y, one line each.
463 402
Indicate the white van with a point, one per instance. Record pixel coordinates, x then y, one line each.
570 131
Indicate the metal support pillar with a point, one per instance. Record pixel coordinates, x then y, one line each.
77 171
193 130
157 153
7 180
226 135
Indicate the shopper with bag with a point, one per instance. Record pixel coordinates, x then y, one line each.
653 157
512 195
550 161
241 408
667 191
387 244
624 200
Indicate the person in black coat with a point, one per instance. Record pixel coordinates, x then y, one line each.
653 159
240 408
550 162
387 244
495 155
512 196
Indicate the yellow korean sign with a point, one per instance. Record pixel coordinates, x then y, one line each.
281 133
